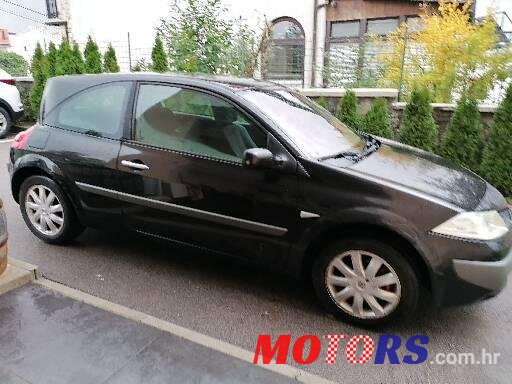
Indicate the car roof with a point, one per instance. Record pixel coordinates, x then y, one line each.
227 82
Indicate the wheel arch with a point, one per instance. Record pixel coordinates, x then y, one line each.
375 231
34 165
21 175
5 105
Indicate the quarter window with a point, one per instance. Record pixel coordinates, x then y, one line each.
195 122
96 111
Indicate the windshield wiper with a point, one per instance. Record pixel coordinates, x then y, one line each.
371 145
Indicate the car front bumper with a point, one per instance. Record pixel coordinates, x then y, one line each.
491 275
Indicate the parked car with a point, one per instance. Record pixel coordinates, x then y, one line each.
11 107
256 170
3 239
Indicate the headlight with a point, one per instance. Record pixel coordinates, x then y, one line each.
485 226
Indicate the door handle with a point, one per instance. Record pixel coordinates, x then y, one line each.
135 165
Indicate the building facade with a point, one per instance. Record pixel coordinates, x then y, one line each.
315 43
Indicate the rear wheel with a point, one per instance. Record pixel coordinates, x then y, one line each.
366 281
47 211
5 122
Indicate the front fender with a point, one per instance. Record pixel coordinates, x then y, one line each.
378 218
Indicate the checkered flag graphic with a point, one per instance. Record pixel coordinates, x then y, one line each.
332 348
351 349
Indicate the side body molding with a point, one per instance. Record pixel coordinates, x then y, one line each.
186 211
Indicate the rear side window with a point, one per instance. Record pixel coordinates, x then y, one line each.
95 111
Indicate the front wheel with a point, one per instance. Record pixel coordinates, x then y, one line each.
47 211
365 281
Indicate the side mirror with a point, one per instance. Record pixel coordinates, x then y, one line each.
258 158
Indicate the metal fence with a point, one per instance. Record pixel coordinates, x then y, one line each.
350 64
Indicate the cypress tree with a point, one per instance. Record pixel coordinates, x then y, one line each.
92 57
78 60
347 111
497 158
418 127
37 59
51 62
159 57
110 60
40 75
65 62
463 142
377 121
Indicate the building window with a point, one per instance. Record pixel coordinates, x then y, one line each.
286 59
345 29
382 26
51 9
415 24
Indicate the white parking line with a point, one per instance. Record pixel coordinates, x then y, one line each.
6 141
188 334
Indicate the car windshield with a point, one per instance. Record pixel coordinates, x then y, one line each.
312 129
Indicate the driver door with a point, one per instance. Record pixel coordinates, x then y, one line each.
183 177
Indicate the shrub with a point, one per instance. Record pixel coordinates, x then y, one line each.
347 111
51 60
497 158
418 127
141 66
92 57
110 60
13 64
322 101
65 61
159 57
463 142
377 121
78 60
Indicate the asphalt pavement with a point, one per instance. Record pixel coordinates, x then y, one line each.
235 303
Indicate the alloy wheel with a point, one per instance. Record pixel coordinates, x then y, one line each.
363 284
44 210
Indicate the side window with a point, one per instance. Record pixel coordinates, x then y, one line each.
96 111
191 121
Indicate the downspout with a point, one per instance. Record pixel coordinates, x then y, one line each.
315 23
319 33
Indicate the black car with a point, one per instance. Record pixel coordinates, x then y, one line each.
256 170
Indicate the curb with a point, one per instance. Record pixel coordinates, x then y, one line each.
17 274
231 350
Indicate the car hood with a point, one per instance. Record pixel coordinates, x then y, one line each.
423 172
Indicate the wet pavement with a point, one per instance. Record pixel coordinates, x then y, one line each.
49 338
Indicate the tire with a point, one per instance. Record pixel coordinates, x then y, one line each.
399 298
5 122
64 218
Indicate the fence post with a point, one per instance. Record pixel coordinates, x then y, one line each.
129 53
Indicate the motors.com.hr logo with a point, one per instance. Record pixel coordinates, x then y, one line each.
359 349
